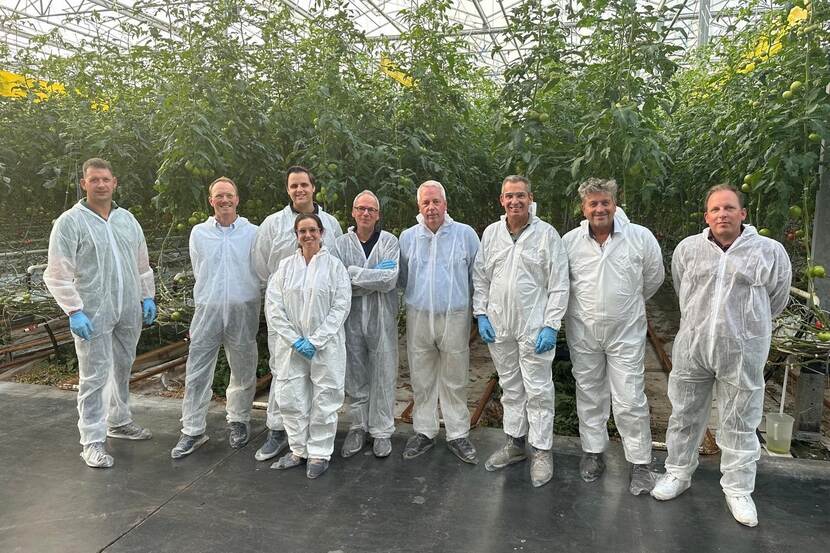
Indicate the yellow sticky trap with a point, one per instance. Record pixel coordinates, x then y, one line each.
389 69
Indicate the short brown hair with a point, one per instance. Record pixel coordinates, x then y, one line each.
303 216
222 179
723 187
298 169
96 163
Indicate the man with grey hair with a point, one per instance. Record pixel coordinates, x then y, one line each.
437 257
371 257
731 283
615 266
521 293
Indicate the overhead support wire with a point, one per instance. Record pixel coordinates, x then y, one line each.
486 24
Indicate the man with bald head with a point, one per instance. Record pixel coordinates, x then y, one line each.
371 258
437 256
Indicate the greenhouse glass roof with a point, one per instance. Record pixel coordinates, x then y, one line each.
69 24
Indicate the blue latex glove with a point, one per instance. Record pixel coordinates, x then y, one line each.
80 325
485 329
387 264
546 340
297 343
307 349
148 307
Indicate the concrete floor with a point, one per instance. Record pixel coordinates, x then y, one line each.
223 500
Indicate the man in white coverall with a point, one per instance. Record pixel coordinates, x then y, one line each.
371 256
275 241
437 256
521 293
228 303
731 283
615 266
99 274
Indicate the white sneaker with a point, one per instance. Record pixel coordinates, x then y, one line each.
96 456
743 509
669 487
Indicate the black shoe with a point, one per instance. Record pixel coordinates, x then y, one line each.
187 445
591 466
275 443
316 467
238 435
512 452
463 449
355 440
382 447
417 445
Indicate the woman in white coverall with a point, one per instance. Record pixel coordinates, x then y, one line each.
306 304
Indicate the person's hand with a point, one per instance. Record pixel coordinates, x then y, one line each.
485 329
80 325
297 343
546 340
307 349
386 264
148 308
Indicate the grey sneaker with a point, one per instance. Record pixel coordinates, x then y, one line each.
129 431
316 467
238 436
187 445
591 466
382 447
288 461
512 452
275 443
642 479
541 466
464 449
95 455
417 445
355 440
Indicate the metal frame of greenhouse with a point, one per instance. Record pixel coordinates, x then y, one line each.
63 24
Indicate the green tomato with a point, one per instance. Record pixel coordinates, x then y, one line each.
823 336
543 117
192 221
795 212
332 167
765 232
818 271
799 233
814 137
787 94
180 227
796 86
746 188
747 179
175 316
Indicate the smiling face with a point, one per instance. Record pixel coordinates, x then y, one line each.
516 200
224 200
310 236
366 213
432 207
724 216
599 209
99 185
300 190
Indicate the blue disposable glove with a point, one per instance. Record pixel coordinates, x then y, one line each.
307 349
297 343
485 329
546 340
80 325
387 264
148 307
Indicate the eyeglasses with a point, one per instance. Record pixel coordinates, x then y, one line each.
363 209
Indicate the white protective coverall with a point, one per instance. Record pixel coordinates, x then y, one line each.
436 275
101 267
275 241
606 331
371 333
310 301
523 287
228 303
727 303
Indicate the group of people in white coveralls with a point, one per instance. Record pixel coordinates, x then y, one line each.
331 306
